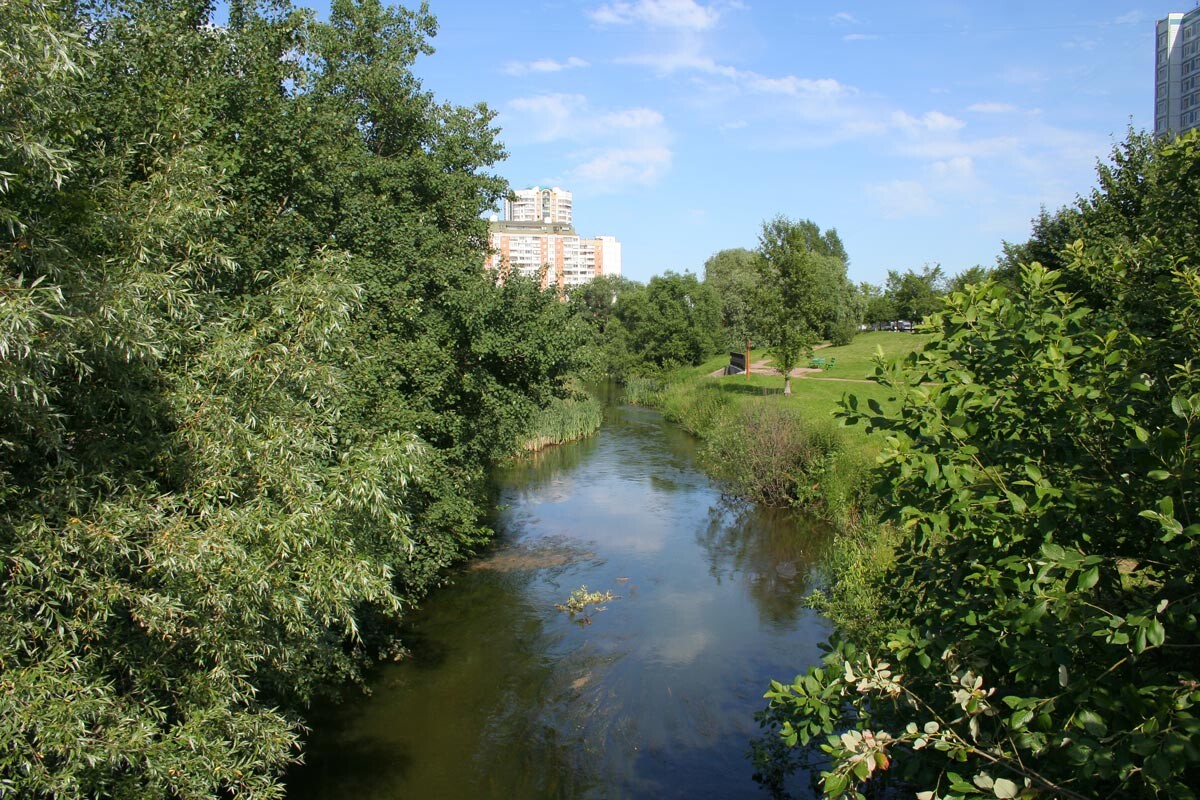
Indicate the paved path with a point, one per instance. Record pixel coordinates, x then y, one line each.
764 367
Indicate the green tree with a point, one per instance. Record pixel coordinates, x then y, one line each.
596 305
914 295
674 321
733 276
1041 468
252 372
877 306
803 291
970 276
1052 233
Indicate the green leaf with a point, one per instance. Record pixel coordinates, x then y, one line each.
1088 579
1004 788
1091 722
835 784
1156 634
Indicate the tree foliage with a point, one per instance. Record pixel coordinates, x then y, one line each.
674 320
733 276
916 295
251 371
803 293
1041 620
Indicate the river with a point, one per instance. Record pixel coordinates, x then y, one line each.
506 697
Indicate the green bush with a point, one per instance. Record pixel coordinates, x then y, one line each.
1042 611
768 453
698 408
843 333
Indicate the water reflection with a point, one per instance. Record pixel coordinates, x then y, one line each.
506 697
775 553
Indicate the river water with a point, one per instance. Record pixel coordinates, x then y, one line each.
507 697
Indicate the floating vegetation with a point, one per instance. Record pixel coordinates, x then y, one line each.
582 604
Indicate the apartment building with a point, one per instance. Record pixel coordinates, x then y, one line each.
536 238
539 205
1177 73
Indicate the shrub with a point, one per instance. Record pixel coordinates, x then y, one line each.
768 453
842 333
1041 468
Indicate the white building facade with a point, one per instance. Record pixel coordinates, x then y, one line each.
1177 73
536 238
537 204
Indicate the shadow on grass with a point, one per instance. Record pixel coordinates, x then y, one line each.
736 387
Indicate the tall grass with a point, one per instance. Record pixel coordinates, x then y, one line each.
565 420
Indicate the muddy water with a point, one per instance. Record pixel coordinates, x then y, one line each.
654 697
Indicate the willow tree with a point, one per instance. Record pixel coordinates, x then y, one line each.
210 240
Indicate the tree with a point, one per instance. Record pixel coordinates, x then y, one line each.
252 372
971 276
597 306
674 321
1052 233
803 289
877 306
734 278
1041 471
913 295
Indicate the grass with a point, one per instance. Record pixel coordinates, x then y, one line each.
565 420
817 396
733 412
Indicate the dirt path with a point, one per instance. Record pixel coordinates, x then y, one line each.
763 367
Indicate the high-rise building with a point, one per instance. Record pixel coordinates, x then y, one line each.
536 238
1177 73
539 205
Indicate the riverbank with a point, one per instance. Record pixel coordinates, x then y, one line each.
564 420
792 451
655 698
784 450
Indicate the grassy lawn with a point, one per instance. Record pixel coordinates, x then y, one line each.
814 396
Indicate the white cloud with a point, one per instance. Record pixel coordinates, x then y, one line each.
543 65
546 117
632 118
1025 77
930 121
680 61
902 199
844 18
683 14
608 149
1130 18
859 37
940 182
615 168
991 107
1081 43
955 175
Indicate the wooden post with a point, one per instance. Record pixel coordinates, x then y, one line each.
747 359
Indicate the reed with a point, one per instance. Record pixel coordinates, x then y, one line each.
564 420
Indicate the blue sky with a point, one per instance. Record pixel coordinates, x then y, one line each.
921 131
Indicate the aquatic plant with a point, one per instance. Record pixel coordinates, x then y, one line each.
582 604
